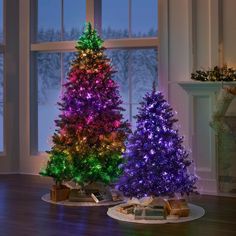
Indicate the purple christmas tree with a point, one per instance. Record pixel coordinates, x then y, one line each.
156 163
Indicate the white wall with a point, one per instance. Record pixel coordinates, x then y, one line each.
229 40
201 34
229 32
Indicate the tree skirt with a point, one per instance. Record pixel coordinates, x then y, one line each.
46 198
196 212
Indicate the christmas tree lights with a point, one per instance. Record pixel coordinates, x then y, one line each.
90 132
156 163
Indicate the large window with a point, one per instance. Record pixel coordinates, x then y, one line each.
129 28
1 78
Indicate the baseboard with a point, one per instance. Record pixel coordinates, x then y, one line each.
9 173
209 193
18 173
27 173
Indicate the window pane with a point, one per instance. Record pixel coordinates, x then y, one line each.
144 18
49 20
120 60
143 68
49 87
115 19
49 91
1 21
74 18
137 67
67 58
1 102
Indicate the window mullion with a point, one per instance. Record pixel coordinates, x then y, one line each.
69 46
93 13
130 18
62 21
33 20
62 38
4 21
90 11
130 85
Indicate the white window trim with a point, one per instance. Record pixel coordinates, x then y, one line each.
69 46
9 160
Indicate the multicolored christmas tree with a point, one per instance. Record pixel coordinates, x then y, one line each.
156 163
90 132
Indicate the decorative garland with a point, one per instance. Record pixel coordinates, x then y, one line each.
216 74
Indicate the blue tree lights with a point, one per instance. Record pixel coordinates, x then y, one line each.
156 163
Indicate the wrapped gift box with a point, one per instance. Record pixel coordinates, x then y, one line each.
149 213
77 195
154 213
127 208
138 213
178 207
116 195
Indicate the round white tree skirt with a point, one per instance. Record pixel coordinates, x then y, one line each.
196 212
46 198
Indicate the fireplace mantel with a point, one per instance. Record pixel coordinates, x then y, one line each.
202 139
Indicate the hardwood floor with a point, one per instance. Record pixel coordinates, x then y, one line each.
23 213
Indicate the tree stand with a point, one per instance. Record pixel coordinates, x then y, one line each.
59 193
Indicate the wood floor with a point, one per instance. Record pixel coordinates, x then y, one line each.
23 213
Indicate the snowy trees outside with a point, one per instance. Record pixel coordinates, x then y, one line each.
136 70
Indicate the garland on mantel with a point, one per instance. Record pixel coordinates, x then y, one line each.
223 73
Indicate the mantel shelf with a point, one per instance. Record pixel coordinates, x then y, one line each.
204 86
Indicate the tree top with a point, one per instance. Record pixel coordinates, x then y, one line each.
89 39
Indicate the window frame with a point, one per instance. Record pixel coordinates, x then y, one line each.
9 158
2 51
93 14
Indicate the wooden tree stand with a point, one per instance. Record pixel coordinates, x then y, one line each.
59 193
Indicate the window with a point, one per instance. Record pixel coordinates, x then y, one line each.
129 19
59 20
1 78
129 28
